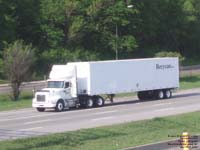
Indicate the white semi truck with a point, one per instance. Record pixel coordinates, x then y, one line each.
82 84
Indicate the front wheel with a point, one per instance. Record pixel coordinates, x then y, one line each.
60 106
41 109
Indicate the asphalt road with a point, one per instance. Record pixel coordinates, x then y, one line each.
29 122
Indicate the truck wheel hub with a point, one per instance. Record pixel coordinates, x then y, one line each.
99 101
90 103
60 106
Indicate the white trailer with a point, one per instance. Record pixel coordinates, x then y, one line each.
83 83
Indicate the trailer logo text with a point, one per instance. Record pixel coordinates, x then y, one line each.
162 67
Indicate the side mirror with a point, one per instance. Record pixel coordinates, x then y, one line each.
33 91
67 85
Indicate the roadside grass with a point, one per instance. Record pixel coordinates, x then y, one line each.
7 104
189 82
3 81
112 137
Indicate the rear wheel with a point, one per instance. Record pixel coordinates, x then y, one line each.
99 101
142 95
168 93
41 109
89 102
160 94
60 106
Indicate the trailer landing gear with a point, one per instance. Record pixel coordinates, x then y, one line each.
110 97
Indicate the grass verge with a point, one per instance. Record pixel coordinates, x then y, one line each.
189 82
7 104
3 81
112 137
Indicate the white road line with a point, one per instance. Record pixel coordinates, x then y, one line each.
30 129
14 112
105 112
102 118
138 103
38 121
27 117
164 109
162 104
48 114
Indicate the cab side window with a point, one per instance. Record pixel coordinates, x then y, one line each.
67 85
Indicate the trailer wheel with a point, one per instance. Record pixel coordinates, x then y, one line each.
40 109
89 102
160 94
99 101
168 93
60 106
139 95
142 95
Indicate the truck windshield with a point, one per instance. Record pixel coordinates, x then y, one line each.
55 84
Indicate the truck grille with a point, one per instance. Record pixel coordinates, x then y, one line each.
40 98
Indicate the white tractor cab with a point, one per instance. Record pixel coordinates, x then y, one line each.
60 92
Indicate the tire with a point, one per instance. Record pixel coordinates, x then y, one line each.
168 94
60 106
143 95
139 95
160 94
40 109
89 102
99 101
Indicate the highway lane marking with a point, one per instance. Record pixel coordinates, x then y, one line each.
38 121
51 114
162 104
138 103
15 112
30 129
27 117
105 112
102 118
165 109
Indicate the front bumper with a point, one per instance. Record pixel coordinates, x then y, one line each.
43 105
46 104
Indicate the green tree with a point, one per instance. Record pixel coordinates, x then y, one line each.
170 54
27 21
7 22
18 59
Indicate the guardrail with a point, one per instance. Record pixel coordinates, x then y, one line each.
194 67
189 70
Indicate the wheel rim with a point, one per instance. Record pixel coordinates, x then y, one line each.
99 102
160 94
168 93
60 106
90 102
